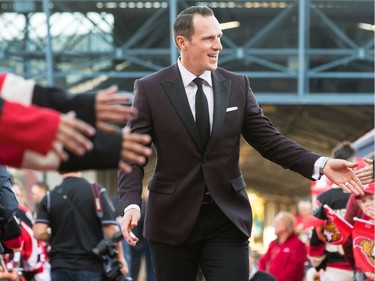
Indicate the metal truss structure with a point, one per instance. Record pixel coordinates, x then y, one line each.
294 52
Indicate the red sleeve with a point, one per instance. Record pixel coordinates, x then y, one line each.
296 264
28 127
262 263
11 155
18 89
2 79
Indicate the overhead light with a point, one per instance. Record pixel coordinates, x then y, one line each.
229 25
366 26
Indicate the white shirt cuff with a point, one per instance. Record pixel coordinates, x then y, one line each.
132 206
318 167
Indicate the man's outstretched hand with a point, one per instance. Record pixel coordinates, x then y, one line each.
341 172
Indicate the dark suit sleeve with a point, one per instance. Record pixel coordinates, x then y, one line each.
82 104
260 133
130 185
105 155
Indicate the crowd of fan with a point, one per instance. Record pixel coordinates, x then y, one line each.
332 237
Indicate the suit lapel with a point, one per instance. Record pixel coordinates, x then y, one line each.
176 93
221 88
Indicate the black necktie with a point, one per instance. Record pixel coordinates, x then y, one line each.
201 113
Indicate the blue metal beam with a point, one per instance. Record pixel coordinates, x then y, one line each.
79 59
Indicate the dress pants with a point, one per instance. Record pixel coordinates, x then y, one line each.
215 245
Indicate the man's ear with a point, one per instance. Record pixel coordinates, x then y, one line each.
181 42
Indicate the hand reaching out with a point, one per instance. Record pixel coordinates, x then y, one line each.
366 174
73 133
108 109
35 161
341 173
134 149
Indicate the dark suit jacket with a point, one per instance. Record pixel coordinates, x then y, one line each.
183 170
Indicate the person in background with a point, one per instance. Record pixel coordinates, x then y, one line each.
286 255
256 274
304 209
366 175
38 191
75 229
10 231
31 260
196 112
23 211
367 205
323 252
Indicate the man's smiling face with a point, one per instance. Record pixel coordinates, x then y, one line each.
201 53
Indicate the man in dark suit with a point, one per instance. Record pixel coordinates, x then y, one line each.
198 213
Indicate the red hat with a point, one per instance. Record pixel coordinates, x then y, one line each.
369 189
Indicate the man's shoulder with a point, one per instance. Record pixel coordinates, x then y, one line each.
228 74
222 74
164 73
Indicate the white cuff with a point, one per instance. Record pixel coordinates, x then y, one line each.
17 89
318 167
132 206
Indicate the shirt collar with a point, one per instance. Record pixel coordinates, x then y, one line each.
188 77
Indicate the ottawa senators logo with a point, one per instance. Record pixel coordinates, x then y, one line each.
366 248
328 233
